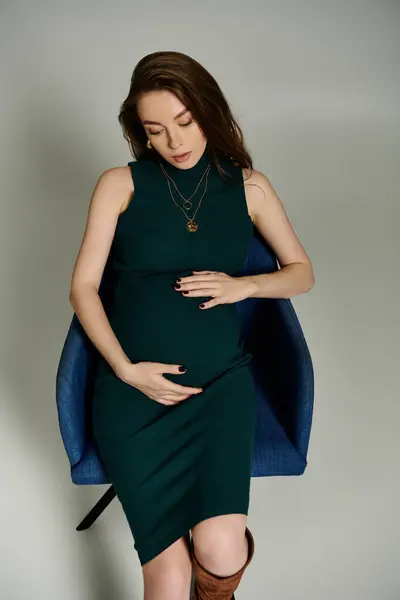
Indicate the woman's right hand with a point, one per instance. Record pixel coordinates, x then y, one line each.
147 377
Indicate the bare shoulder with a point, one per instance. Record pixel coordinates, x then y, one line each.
257 188
271 219
118 182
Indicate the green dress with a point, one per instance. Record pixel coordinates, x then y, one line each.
173 466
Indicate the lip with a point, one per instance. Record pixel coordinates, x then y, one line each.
182 157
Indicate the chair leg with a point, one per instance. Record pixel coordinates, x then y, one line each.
97 509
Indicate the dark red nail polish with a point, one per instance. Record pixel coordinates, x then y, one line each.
201 305
182 369
185 292
177 285
179 279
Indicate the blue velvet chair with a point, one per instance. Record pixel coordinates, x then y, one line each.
281 366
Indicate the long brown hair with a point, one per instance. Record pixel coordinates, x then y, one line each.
198 91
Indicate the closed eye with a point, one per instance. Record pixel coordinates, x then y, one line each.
181 125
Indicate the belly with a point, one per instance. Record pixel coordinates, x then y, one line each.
154 322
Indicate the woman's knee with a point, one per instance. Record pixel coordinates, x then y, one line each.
168 575
220 544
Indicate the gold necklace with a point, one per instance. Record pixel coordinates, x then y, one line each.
191 224
186 200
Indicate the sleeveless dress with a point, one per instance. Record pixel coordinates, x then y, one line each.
173 466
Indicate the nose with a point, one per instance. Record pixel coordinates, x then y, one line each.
174 141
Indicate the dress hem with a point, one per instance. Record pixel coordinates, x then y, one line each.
153 551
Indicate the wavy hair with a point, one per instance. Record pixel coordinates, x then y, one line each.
197 89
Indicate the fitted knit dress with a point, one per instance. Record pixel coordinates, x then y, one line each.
173 466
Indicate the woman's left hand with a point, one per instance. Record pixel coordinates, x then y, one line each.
223 288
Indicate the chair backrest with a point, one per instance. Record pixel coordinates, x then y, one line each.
283 372
281 366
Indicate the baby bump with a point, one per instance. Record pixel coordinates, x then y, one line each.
157 323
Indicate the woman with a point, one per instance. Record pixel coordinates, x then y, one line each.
173 408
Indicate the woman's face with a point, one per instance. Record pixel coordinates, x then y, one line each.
170 128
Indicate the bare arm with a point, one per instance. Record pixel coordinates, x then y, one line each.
295 275
110 195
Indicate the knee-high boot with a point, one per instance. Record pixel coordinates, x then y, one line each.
209 586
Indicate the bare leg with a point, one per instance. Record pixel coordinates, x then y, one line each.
168 575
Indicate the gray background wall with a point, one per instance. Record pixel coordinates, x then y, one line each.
314 86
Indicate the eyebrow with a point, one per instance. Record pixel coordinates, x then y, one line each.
185 110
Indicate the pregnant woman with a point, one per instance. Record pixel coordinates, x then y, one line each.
173 409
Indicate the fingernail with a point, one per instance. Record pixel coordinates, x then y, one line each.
179 279
177 285
182 369
201 305
185 292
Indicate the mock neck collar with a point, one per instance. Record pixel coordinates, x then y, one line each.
187 174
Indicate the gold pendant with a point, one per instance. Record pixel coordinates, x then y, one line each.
192 225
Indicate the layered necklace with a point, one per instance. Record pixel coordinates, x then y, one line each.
191 224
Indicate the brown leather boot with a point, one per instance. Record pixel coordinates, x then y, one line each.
209 586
